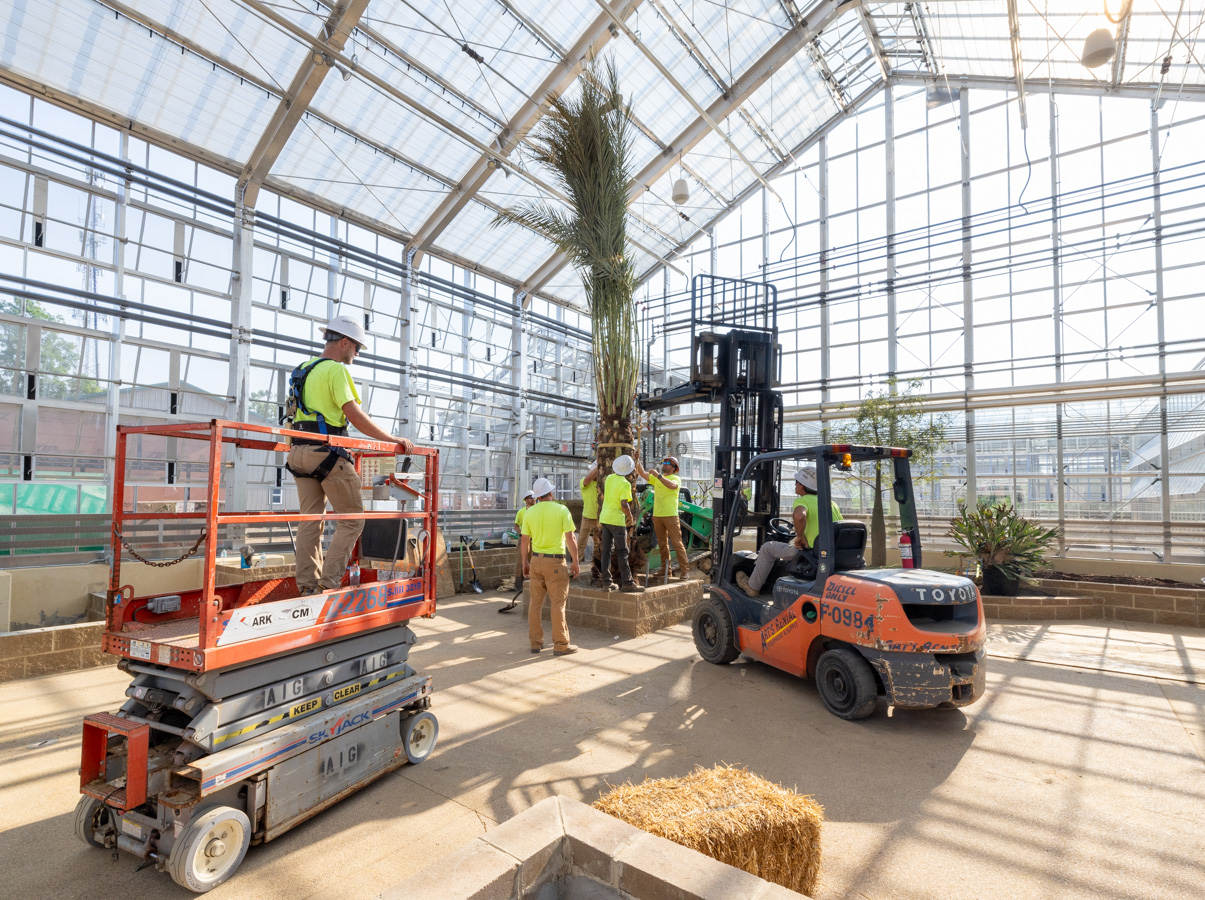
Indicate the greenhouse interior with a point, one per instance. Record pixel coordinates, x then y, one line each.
931 264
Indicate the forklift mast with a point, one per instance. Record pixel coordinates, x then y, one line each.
735 362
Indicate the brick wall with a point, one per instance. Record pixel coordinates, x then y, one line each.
46 651
618 612
1177 607
493 565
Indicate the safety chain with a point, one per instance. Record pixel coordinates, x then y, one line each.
160 565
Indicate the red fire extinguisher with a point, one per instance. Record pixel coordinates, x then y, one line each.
906 550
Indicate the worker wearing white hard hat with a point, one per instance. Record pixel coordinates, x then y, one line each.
618 510
529 500
323 401
547 539
588 488
807 528
666 485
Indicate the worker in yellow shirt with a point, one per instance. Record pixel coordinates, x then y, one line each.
588 489
529 500
666 524
547 539
617 510
806 519
323 400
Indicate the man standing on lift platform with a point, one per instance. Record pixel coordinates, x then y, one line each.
326 401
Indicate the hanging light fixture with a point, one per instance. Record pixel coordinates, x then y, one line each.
1099 48
681 192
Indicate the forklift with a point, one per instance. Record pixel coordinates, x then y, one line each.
251 708
911 635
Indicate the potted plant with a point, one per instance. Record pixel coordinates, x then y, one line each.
1008 545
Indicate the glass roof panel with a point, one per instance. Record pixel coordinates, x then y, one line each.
85 51
653 99
1151 38
349 173
732 35
794 101
971 37
508 249
236 34
435 33
362 108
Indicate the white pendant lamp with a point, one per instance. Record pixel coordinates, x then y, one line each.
681 191
1098 48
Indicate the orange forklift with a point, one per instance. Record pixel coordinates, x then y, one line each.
911 635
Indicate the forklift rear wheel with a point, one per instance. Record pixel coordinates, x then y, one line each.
420 734
846 683
91 814
714 636
209 849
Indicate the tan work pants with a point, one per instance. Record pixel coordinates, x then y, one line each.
342 489
589 528
548 576
669 531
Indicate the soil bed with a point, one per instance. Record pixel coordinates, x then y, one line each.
1138 580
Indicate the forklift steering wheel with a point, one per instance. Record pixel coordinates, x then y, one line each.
783 528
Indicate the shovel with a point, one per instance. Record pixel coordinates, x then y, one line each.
474 584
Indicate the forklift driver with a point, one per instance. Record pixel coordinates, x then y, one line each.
807 529
326 401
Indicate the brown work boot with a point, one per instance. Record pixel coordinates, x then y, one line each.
742 581
565 652
631 587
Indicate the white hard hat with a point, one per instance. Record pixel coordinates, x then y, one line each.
807 477
542 488
623 465
529 495
348 327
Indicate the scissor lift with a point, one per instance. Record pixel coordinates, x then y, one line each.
252 709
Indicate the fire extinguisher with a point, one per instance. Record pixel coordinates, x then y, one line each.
906 550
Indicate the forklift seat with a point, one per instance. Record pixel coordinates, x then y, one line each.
849 544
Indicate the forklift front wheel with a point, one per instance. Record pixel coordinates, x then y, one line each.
90 816
420 734
209 849
846 683
715 638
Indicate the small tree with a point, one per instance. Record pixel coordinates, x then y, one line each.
889 418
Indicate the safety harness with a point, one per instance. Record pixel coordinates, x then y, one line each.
296 403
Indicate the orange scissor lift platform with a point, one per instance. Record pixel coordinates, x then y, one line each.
219 627
252 709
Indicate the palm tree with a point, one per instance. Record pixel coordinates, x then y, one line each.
586 140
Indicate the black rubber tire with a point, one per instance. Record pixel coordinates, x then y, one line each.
846 683
715 637
91 814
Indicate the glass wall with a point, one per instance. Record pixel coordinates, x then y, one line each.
1039 283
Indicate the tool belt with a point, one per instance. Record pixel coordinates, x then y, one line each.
332 458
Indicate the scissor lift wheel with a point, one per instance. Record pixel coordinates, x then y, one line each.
90 815
420 734
210 849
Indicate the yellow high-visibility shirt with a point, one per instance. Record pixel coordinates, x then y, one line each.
615 490
589 494
546 524
328 386
812 528
665 499
519 517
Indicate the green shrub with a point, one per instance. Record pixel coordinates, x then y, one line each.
1001 538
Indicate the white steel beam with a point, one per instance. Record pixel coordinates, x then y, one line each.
876 43
310 75
1042 86
785 48
589 45
1119 59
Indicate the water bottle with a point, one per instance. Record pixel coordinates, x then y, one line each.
353 574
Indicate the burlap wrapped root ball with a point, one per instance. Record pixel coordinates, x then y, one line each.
732 816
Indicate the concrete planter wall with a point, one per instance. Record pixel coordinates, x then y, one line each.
48 651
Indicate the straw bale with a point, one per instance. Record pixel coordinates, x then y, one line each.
732 816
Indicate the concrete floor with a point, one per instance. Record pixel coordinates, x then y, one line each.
1080 776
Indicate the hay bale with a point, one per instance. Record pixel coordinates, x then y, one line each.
732 816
